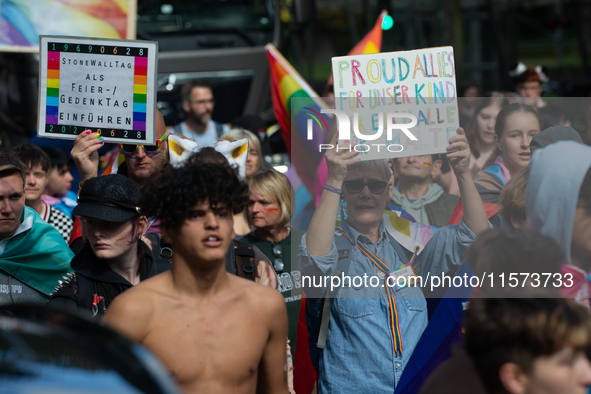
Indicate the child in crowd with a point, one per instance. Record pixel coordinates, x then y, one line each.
59 181
38 164
515 127
518 346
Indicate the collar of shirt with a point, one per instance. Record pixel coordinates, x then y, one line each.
355 235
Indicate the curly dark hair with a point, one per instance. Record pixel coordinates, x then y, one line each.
176 191
208 155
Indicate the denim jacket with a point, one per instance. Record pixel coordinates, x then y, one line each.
359 355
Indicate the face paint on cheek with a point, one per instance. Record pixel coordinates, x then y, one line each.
271 210
426 165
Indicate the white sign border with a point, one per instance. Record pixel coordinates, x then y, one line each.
389 155
151 86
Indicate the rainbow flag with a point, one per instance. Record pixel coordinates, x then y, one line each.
442 333
111 162
286 85
372 42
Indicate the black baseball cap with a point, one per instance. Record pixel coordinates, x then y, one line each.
112 198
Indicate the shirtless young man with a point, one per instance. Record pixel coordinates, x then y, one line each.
216 332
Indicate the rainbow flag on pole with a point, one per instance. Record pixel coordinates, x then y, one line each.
286 85
372 42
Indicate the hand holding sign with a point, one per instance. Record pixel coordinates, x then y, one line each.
459 156
337 161
85 154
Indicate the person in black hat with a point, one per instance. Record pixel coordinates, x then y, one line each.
114 257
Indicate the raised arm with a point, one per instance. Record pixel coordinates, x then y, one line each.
474 212
321 229
272 375
85 154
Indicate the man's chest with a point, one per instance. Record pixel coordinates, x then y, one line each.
208 346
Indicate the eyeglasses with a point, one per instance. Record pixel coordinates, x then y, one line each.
149 149
203 102
356 187
278 264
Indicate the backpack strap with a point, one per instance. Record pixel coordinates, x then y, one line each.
219 129
342 268
177 129
161 248
230 260
165 249
245 261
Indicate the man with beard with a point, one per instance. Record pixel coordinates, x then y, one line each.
141 161
198 103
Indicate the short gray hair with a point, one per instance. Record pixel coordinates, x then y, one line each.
370 165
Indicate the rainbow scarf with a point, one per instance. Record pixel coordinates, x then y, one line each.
392 309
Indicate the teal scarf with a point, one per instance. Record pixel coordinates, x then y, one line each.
39 256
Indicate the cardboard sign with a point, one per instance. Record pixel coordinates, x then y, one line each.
107 86
421 84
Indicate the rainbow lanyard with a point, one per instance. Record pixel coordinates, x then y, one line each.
379 263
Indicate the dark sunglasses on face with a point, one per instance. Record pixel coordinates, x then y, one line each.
356 186
131 149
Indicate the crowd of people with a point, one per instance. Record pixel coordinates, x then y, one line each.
186 246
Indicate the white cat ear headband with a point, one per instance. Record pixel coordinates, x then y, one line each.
180 148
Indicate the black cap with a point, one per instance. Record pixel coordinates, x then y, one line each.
112 198
554 134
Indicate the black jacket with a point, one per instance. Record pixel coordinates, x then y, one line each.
93 285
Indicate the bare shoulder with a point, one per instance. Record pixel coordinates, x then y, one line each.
131 312
263 298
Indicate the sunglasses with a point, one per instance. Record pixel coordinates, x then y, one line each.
356 187
149 149
278 264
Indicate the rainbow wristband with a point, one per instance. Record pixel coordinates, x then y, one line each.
333 189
